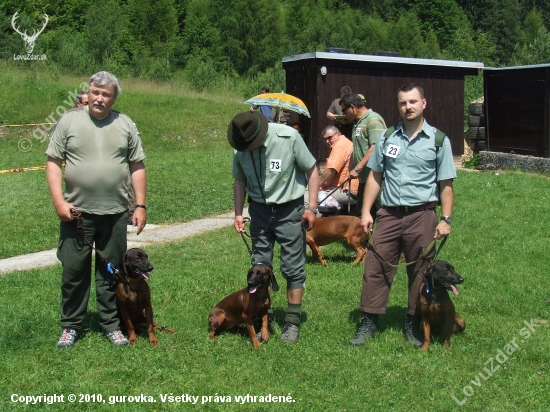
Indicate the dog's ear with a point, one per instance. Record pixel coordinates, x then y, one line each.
429 275
274 284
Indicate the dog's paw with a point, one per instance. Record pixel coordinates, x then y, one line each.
324 263
153 341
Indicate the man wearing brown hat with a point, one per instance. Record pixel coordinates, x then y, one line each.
272 164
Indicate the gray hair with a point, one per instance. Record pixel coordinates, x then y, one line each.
103 78
329 129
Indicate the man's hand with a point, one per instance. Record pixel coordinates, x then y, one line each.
352 174
308 219
63 210
238 224
442 230
367 222
139 219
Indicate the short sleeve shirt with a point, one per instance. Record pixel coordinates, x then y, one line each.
277 168
335 107
340 156
97 154
410 166
365 133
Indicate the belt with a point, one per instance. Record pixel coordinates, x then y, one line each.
413 209
276 205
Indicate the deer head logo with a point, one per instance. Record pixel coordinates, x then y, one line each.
29 40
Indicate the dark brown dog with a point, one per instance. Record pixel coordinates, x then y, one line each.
437 312
133 294
334 228
245 305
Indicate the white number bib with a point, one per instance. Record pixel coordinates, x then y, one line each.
275 165
392 151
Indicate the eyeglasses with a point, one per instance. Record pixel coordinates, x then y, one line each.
345 108
330 137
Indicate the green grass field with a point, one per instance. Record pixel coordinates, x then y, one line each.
499 244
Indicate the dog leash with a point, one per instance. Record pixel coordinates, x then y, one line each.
424 253
77 224
336 188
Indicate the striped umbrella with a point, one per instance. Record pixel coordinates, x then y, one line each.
280 100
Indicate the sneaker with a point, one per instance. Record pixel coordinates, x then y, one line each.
367 330
67 339
412 331
117 338
291 333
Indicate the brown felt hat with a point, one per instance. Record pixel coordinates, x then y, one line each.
247 131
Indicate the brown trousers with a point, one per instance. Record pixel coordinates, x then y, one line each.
396 232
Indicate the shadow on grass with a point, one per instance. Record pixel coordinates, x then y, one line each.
394 318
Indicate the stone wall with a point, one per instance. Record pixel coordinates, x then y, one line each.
494 160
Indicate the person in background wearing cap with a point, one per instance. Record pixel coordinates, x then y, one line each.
272 164
367 128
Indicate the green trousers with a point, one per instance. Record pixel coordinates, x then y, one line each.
108 234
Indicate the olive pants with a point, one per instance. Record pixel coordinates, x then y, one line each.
108 232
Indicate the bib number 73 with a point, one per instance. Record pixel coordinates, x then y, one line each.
275 165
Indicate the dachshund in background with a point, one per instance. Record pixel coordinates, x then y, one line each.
334 228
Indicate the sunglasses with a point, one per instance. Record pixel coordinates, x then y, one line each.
330 137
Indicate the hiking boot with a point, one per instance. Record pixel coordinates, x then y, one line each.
67 339
367 330
412 331
117 338
291 333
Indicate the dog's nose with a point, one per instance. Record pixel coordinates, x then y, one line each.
150 268
460 279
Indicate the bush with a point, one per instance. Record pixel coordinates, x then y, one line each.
202 75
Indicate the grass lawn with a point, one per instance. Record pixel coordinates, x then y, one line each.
184 137
498 245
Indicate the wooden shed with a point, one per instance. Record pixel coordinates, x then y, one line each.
517 109
378 78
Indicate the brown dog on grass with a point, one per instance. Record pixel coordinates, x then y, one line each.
133 295
437 312
334 228
245 305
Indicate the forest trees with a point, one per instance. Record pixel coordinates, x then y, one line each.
229 39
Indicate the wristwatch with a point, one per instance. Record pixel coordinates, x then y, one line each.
447 219
313 210
142 206
356 170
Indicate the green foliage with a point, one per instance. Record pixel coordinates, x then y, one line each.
472 162
537 52
274 78
441 17
201 74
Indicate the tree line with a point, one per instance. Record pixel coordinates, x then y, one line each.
231 41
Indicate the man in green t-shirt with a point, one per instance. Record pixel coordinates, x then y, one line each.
98 146
272 164
367 128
